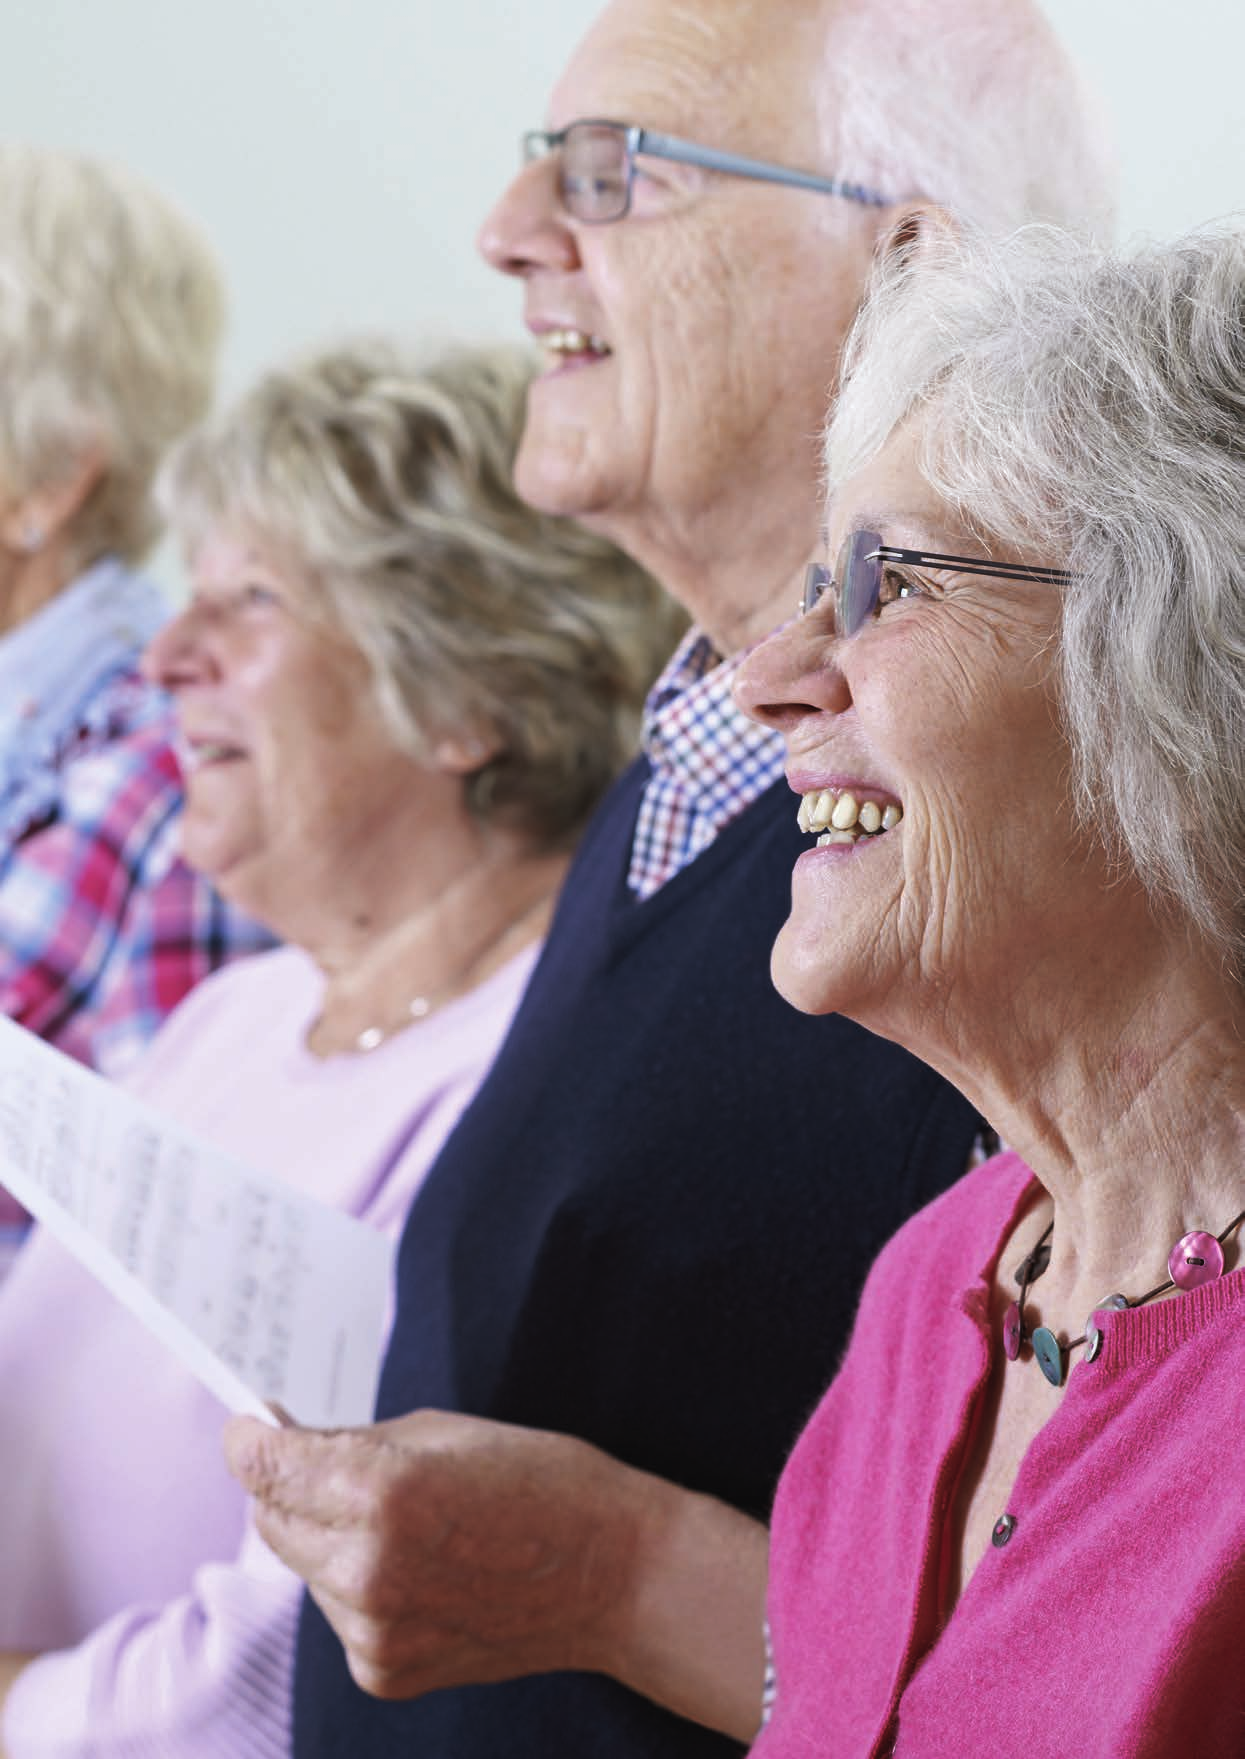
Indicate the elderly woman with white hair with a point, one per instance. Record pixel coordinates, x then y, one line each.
1017 1522
111 312
1014 713
400 693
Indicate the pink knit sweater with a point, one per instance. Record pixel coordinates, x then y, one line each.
1112 1624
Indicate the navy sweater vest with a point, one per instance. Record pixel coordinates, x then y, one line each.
650 1229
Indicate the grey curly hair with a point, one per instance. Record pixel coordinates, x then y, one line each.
1092 407
386 481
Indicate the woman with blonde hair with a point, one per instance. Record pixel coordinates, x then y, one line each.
399 694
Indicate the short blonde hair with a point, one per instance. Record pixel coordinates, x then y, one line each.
111 315
388 483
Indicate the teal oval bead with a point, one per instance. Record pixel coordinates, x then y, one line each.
1049 1355
1093 1332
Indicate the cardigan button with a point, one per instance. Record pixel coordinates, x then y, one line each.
1011 1332
1004 1527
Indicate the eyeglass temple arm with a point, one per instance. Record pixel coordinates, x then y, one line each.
670 146
972 565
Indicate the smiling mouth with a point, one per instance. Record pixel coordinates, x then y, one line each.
565 346
841 816
202 753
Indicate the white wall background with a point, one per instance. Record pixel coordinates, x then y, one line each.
341 152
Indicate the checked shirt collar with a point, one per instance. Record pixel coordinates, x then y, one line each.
709 763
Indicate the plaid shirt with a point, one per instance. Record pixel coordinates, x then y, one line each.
709 763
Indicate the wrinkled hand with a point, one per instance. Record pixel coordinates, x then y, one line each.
447 1550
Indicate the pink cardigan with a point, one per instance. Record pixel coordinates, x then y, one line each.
1111 1625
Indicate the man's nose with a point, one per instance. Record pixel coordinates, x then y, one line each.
526 228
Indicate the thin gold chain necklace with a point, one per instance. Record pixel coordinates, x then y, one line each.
429 1001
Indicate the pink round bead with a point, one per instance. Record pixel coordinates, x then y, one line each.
1195 1260
1011 1332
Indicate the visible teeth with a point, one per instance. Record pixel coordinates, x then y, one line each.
846 812
844 817
192 756
573 342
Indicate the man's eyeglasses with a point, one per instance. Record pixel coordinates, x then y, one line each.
596 167
857 580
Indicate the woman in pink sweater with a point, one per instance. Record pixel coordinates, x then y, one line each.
1017 1523
1015 715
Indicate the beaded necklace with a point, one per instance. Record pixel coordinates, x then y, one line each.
1196 1258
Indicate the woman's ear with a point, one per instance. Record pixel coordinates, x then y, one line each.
462 754
919 230
35 519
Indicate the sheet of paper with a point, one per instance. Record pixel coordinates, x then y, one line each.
265 1294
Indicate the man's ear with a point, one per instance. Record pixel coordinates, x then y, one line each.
41 515
919 229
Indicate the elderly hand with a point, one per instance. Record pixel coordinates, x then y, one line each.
447 1550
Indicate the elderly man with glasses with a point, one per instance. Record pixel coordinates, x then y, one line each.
649 1231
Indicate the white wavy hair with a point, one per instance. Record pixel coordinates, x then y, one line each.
1089 409
111 315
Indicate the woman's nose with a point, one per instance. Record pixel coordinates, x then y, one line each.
177 654
793 673
526 229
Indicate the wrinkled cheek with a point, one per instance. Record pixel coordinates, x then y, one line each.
932 905
964 899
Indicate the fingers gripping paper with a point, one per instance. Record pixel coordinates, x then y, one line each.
263 1293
